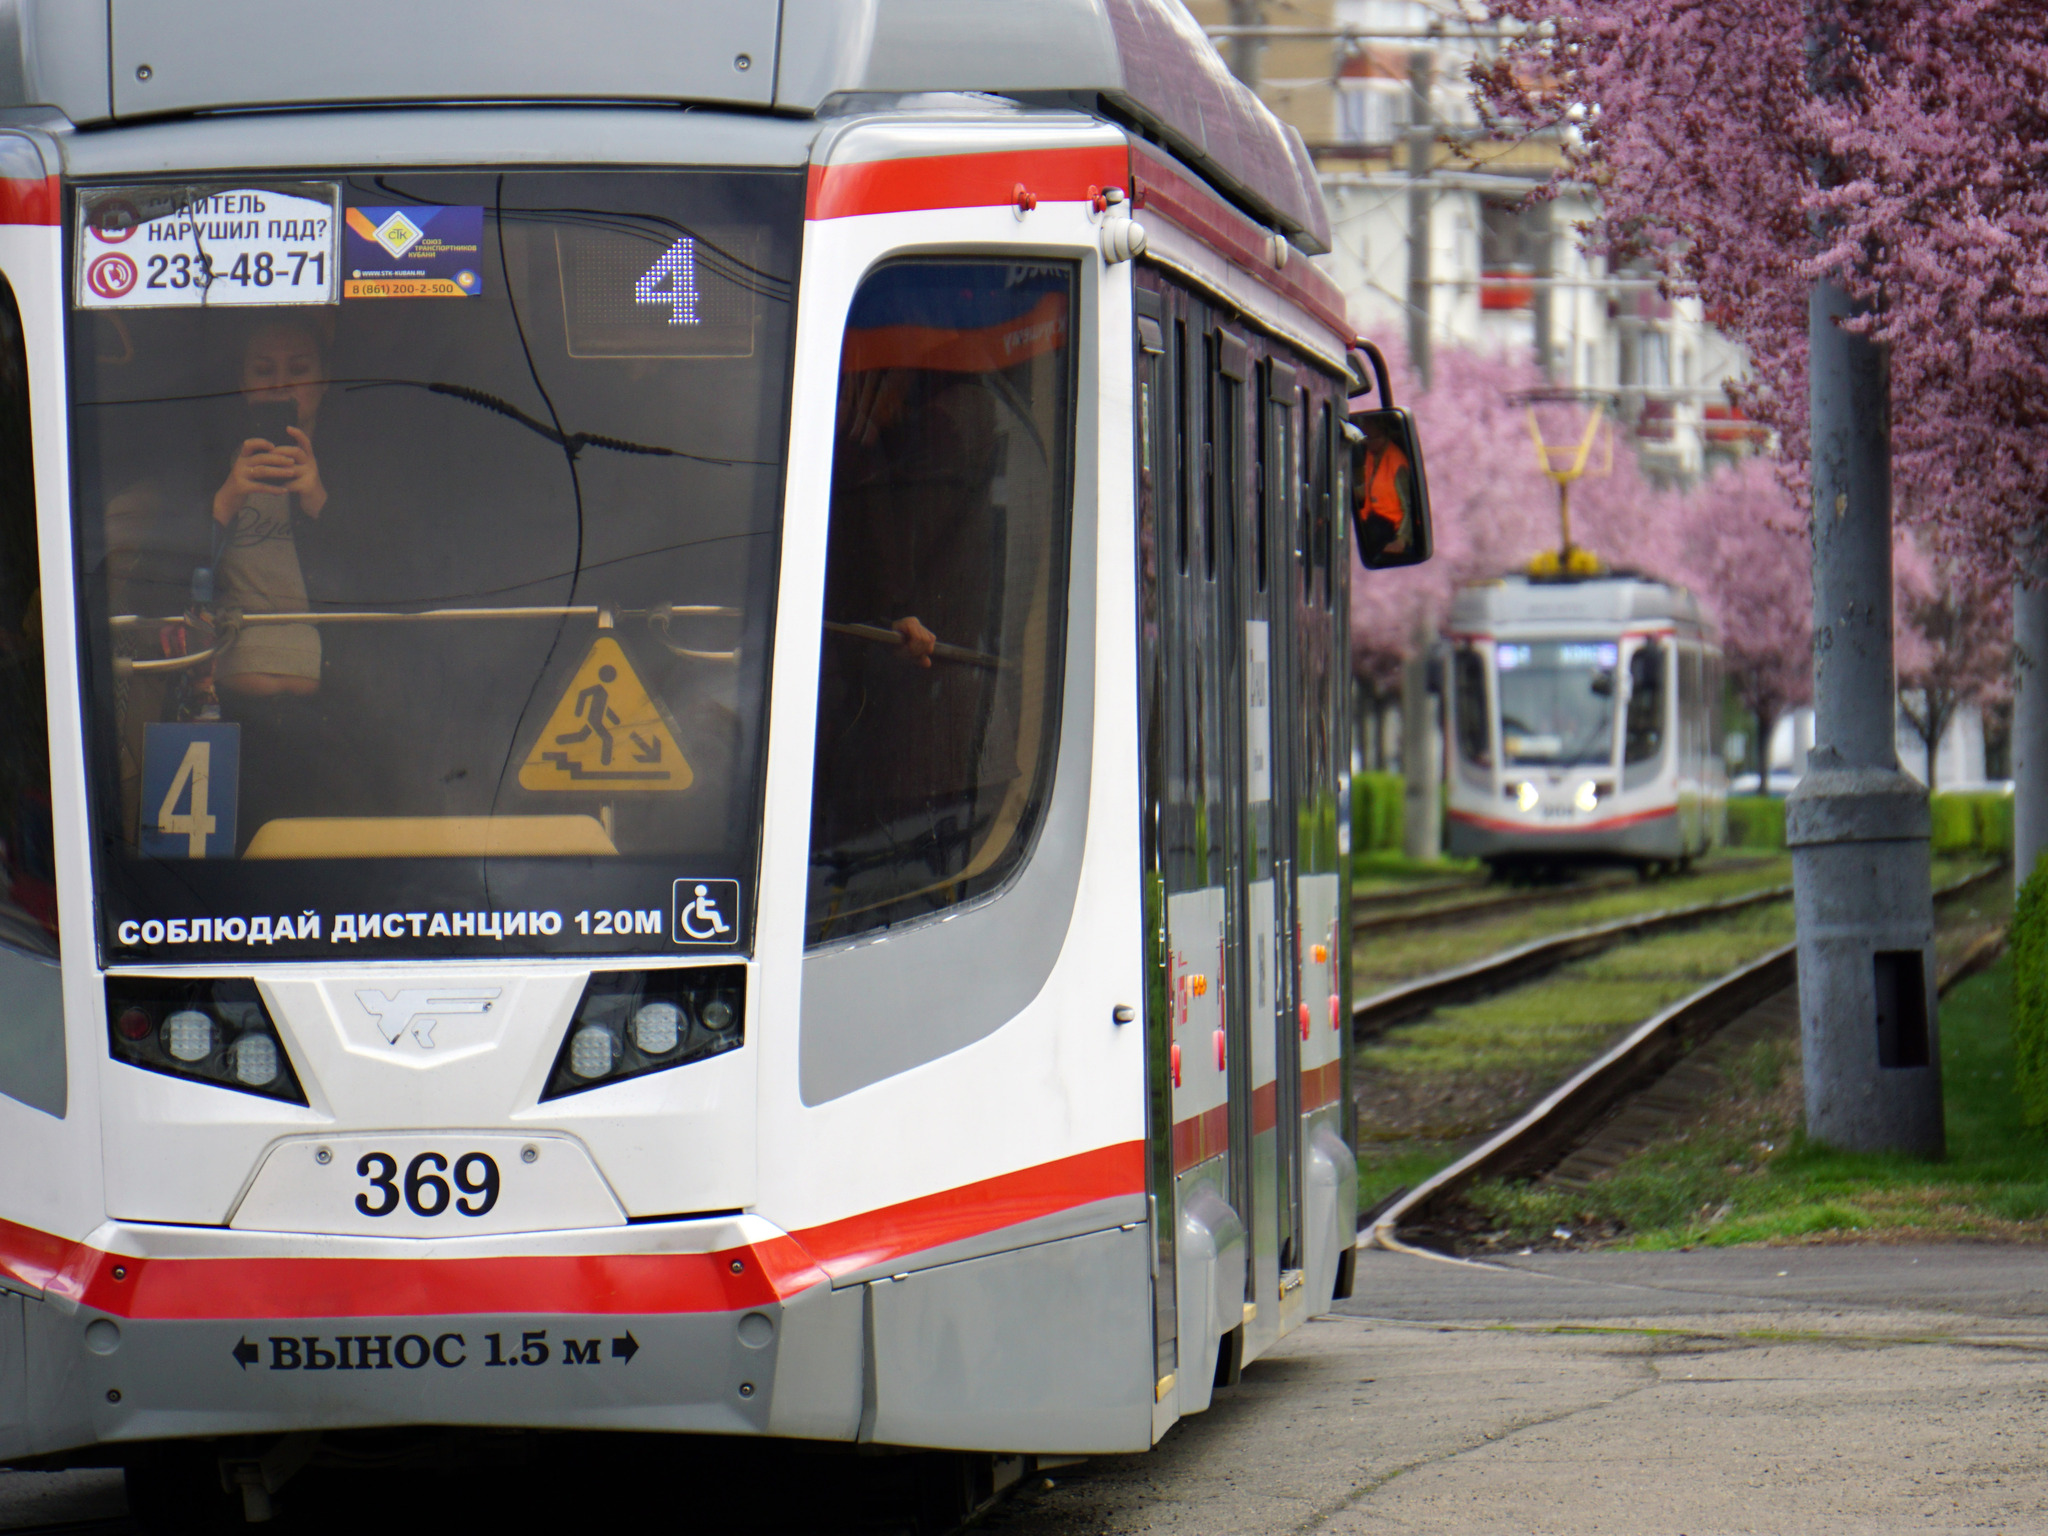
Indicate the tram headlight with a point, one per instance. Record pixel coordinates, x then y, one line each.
1526 796
255 1059
591 1050
205 1030
188 1035
657 1026
1586 796
628 1023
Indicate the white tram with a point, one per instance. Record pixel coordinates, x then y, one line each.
663 769
1582 723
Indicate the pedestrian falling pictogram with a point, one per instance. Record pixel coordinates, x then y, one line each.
607 733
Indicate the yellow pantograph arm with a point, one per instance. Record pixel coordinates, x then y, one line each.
1546 452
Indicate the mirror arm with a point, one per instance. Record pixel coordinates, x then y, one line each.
1378 360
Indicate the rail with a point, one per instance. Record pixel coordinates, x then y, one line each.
1545 1134
1495 973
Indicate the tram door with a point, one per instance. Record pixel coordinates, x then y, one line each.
1218 449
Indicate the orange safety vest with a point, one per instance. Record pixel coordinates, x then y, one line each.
1383 486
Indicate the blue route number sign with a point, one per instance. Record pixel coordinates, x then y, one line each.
191 775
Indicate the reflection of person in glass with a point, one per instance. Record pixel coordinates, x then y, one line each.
1385 491
258 562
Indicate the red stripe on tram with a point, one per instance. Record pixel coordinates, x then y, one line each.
1607 825
603 1283
963 181
29 200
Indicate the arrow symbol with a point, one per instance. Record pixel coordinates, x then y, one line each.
625 1347
247 1354
645 752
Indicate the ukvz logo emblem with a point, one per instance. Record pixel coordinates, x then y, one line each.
417 1010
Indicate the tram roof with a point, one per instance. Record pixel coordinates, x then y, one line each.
1617 599
1147 62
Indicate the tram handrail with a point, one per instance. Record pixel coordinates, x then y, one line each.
657 618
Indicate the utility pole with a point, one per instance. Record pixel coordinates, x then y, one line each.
1421 148
1542 312
1857 826
2029 714
1421 770
1246 46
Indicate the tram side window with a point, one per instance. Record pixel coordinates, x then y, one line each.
28 881
1475 735
1645 703
945 589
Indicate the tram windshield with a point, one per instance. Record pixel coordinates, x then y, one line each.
1556 701
427 528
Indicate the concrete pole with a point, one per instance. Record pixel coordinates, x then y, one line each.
2029 724
1421 148
1245 49
1421 831
1542 316
1857 826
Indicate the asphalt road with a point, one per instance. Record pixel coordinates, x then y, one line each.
1841 1389
1789 1390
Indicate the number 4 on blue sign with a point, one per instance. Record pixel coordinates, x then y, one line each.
672 281
190 778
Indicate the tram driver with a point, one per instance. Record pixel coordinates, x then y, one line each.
1384 488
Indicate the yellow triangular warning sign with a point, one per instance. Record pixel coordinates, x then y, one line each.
606 734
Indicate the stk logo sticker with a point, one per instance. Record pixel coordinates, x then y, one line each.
418 1009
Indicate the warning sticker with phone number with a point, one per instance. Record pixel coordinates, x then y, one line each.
186 246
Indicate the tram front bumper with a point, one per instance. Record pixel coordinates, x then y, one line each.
127 1348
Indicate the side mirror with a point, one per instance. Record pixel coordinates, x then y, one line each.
1389 490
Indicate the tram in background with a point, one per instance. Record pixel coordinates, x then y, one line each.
665 769
1582 723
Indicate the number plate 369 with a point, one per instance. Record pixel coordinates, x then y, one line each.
427 1185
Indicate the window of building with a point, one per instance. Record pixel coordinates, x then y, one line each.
28 875
945 589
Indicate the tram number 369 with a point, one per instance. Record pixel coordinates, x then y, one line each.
424 1191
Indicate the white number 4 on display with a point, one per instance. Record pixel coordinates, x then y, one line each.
672 281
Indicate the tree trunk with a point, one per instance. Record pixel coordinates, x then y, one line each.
1766 723
2029 721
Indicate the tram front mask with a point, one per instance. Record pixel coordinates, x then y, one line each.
481 632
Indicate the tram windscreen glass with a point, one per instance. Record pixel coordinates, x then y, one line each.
430 615
1556 701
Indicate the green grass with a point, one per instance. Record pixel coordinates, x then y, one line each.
1381 960
1745 1174
1384 1168
1379 868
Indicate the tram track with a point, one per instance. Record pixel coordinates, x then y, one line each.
1636 1086
1494 973
1401 913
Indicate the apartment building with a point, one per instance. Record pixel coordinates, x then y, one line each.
1437 238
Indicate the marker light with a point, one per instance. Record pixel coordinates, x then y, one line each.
1525 796
631 1022
1586 796
255 1060
205 1030
188 1035
590 1051
655 1027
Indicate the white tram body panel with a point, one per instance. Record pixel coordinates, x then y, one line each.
370 1055
1581 722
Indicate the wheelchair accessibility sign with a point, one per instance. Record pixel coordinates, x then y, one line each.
707 912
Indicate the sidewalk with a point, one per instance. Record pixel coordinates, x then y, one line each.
1781 1390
